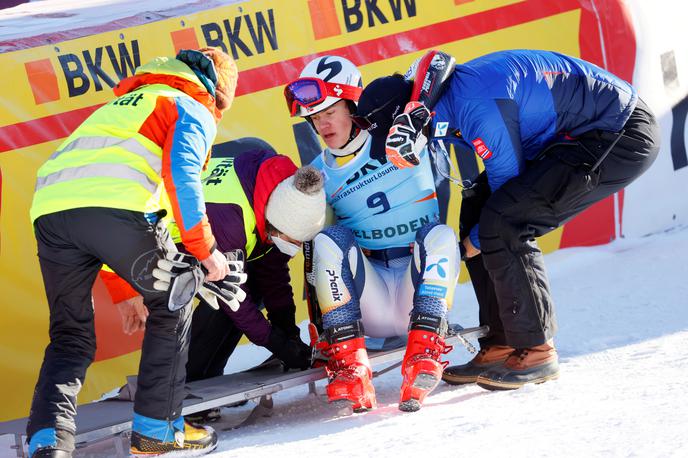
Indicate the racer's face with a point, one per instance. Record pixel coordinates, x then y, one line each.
334 124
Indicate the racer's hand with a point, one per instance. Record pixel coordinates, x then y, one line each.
216 265
406 139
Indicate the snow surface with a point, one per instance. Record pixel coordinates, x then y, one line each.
623 345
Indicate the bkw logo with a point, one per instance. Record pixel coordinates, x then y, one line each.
356 15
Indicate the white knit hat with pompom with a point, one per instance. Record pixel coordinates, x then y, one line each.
296 207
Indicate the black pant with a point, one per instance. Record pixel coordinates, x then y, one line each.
509 277
214 338
472 204
72 246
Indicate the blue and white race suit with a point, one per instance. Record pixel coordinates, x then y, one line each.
382 209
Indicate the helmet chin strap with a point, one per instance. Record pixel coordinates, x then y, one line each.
354 144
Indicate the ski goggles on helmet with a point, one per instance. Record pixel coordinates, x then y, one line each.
308 92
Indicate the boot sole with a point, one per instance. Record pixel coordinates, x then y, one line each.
493 385
346 407
459 379
176 453
425 382
412 405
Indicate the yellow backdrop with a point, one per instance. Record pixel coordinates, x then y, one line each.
49 89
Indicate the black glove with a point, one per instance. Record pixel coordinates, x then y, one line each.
285 320
462 250
293 353
473 200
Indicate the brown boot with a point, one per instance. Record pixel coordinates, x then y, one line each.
486 359
528 365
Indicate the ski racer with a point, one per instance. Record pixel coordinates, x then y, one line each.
556 134
260 204
388 267
97 200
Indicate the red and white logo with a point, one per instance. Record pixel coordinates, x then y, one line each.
481 148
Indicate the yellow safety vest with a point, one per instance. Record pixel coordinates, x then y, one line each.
221 185
106 162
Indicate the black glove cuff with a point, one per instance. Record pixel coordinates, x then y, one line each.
293 353
462 250
285 320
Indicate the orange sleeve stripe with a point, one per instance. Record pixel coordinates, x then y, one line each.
117 287
199 239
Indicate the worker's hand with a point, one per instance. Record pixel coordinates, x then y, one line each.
469 250
216 265
134 314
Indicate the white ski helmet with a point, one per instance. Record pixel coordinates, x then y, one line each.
323 82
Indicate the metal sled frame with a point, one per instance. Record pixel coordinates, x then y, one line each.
105 419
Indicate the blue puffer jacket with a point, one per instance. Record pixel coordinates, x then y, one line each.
509 105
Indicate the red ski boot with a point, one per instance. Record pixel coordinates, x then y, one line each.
348 369
422 368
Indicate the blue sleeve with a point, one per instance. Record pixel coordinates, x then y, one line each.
184 155
194 132
492 128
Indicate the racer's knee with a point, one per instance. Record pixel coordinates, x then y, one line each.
436 242
337 271
341 236
425 230
337 245
436 259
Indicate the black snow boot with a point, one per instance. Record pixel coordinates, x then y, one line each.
49 452
204 416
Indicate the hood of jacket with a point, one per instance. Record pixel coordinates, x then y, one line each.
173 73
